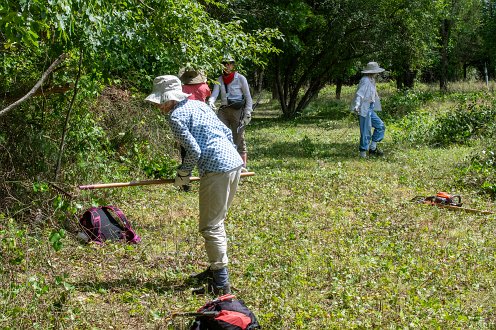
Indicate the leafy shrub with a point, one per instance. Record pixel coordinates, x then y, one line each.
404 102
113 137
473 117
469 120
480 173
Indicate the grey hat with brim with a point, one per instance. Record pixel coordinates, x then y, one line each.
373 67
191 77
166 88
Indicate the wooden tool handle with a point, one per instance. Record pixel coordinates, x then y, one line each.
143 182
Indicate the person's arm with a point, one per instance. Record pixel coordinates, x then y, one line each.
213 96
246 93
207 92
360 94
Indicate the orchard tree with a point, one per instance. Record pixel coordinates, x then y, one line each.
321 42
408 34
488 31
459 25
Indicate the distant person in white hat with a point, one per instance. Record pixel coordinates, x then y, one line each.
209 146
236 104
366 104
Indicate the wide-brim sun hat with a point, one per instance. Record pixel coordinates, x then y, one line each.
166 88
373 67
228 59
191 77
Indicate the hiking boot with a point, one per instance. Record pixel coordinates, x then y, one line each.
363 154
217 283
204 276
213 289
376 152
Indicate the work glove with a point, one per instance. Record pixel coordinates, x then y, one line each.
211 104
182 178
357 110
246 118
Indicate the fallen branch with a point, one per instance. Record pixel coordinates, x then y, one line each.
40 82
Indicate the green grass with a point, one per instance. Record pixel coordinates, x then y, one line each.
318 239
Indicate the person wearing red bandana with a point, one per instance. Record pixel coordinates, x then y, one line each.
236 104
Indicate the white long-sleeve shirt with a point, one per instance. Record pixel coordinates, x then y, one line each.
366 93
235 91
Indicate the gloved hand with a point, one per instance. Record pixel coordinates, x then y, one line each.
357 110
182 178
246 118
211 104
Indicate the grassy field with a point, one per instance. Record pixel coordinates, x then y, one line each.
318 239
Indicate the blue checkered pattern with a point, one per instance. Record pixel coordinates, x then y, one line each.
207 141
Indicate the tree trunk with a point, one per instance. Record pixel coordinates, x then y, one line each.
275 91
443 75
339 86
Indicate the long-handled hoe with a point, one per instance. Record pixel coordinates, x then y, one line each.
143 182
445 200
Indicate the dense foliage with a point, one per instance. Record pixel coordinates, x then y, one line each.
315 242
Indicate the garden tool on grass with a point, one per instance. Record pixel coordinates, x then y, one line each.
143 182
201 312
445 200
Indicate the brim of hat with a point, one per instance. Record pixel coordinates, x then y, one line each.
154 98
195 80
157 98
374 70
175 96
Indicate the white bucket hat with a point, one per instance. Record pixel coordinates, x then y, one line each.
373 67
166 88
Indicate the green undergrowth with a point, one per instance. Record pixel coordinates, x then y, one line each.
318 238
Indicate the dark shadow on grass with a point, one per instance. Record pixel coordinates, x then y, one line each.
305 148
157 285
265 119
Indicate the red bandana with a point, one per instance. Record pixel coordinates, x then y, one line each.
228 78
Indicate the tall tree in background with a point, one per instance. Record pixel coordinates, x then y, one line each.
322 40
408 33
488 35
467 49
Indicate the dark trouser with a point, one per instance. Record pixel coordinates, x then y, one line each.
231 118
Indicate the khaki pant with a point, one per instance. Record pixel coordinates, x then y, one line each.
217 191
231 118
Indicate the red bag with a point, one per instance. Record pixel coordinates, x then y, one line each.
225 312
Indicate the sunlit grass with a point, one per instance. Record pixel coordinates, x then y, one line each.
318 238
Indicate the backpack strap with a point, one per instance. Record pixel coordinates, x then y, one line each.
129 235
97 225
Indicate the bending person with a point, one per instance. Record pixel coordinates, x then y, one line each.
208 144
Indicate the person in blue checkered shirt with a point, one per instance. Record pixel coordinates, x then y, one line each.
209 146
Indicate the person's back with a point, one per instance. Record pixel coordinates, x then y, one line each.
209 136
